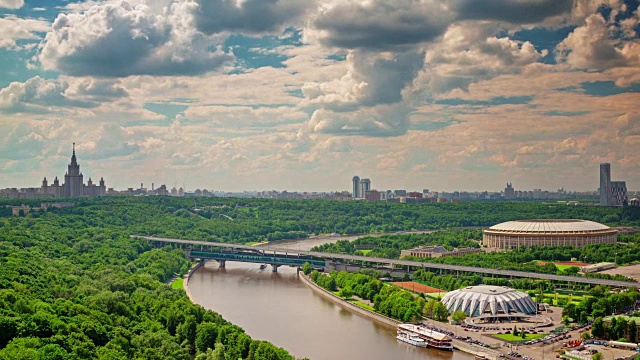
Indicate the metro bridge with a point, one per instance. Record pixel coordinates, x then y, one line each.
274 260
281 256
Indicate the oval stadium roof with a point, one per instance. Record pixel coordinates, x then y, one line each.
549 226
487 299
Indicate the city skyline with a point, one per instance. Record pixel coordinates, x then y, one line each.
302 95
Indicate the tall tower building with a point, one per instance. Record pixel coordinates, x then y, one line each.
73 178
356 188
365 185
605 184
509 192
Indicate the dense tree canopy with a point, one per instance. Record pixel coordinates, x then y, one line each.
73 285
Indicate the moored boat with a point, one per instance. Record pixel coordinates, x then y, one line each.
432 338
412 339
481 357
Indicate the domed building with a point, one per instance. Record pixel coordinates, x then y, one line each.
513 234
489 300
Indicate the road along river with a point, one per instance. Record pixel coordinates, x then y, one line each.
279 308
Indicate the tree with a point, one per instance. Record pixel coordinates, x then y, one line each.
459 316
345 292
633 331
306 268
428 309
596 356
206 334
597 329
585 335
515 331
440 311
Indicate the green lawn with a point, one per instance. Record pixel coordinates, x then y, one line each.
361 304
178 283
510 337
251 243
365 252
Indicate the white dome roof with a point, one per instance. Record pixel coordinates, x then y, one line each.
549 226
486 299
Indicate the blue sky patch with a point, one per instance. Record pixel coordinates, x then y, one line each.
500 100
544 39
607 88
166 109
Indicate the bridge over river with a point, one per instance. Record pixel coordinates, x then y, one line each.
275 256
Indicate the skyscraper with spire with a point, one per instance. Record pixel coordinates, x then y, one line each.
73 178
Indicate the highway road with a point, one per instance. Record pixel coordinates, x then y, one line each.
414 264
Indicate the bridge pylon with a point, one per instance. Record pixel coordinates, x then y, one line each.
222 263
274 267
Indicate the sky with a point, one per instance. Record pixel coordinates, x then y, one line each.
301 95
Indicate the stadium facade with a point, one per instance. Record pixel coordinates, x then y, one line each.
486 300
513 234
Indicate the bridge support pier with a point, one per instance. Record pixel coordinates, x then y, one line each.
274 267
221 263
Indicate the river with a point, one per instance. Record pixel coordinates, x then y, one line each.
279 308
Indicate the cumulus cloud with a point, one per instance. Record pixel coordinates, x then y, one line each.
628 124
120 39
512 11
368 99
380 120
38 94
13 28
11 4
468 54
590 47
248 16
371 79
379 24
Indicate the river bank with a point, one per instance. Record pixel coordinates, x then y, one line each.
458 344
187 276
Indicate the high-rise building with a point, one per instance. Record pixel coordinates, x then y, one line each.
356 187
612 193
605 183
365 185
509 192
73 178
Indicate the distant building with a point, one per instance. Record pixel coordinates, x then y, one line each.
509 192
437 251
72 187
634 202
356 187
365 185
612 193
375 195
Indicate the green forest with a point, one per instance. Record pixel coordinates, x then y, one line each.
253 220
73 285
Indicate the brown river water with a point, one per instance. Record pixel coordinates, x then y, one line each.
279 308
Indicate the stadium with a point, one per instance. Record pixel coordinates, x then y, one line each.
513 234
489 300
490 306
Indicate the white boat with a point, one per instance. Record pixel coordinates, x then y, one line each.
432 338
414 340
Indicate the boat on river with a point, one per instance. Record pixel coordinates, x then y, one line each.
412 339
432 338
